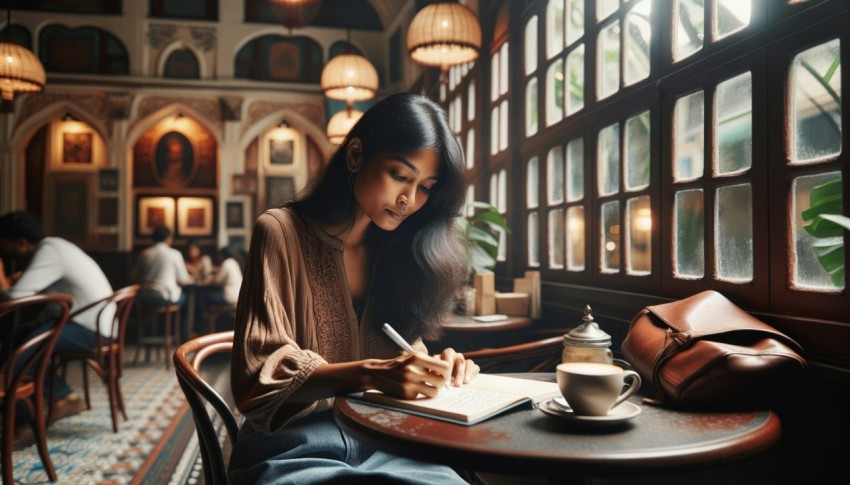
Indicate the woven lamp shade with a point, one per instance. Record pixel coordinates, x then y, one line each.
20 71
444 34
349 77
341 123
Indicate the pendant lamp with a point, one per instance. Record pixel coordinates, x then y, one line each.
295 13
444 34
20 69
341 123
350 78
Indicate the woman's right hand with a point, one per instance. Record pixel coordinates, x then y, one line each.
408 375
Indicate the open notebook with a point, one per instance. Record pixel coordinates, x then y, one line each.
486 396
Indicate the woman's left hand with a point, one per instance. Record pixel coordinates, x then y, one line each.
463 370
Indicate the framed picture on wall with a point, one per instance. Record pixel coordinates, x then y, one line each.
235 214
108 180
76 148
195 216
107 211
279 190
281 152
153 212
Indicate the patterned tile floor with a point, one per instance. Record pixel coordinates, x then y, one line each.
83 448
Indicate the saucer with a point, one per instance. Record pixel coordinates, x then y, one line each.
619 414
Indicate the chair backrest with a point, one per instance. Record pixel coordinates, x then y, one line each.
14 313
122 301
187 363
537 356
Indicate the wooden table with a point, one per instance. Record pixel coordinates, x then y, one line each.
461 323
530 443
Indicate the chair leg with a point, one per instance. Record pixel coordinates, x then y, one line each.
167 339
8 438
85 371
113 404
41 435
139 336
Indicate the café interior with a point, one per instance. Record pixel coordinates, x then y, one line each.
639 152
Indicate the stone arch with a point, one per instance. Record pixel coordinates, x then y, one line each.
179 45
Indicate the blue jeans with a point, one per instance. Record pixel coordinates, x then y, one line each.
315 450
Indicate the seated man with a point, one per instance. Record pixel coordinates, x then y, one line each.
160 263
55 266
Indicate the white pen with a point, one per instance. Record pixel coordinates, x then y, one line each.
395 337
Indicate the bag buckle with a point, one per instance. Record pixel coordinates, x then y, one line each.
683 338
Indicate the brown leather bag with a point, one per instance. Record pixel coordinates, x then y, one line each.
703 352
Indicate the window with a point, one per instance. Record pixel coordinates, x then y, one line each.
84 50
281 59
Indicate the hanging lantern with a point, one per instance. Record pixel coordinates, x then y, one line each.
444 34
349 77
341 123
20 71
295 13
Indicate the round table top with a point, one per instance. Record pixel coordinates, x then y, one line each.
462 323
531 442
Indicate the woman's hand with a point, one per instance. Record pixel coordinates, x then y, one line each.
462 370
408 375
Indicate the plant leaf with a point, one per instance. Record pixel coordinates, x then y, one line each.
479 260
842 221
481 236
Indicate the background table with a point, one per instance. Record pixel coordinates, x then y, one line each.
528 442
464 334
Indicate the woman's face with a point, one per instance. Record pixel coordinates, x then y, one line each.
194 252
392 186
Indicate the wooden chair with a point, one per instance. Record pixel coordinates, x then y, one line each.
106 358
537 356
199 393
147 318
213 312
16 385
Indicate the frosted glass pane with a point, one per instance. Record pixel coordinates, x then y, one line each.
733 118
504 63
575 170
494 131
470 102
470 198
554 28
636 42
494 190
555 93
575 238
815 257
531 107
532 183
608 62
608 163
732 16
689 33
610 248
637 152
639 234
733 235
574 18
494 79
604 8
503 125
556 239
689 232
816 103
689 120
555 176
533 238
531 45
575 78
503 191
470 149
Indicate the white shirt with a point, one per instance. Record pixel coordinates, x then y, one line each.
59 266
229 277
165 265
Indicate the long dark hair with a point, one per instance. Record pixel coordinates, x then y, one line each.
417 269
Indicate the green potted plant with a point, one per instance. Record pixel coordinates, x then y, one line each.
481 232
826 223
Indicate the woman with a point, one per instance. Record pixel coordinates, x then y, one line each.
198 264
370 241
222 287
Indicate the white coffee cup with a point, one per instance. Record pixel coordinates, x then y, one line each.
593 389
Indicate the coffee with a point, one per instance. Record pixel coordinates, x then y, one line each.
593 389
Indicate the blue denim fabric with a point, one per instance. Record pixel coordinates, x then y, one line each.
315 450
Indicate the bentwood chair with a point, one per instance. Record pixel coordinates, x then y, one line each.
147 319
199 393
106 358
537 356
18 360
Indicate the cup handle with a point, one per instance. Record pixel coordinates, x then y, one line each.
634 378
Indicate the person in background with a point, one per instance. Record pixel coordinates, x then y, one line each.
222 287
55 266
198 264
372 240
160 263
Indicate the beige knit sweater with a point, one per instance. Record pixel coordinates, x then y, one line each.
294 314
